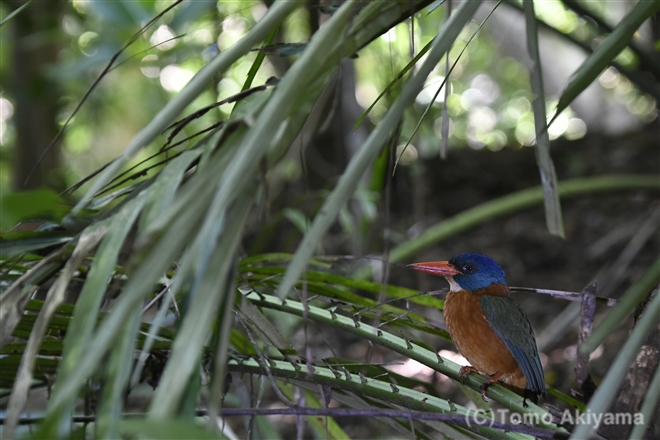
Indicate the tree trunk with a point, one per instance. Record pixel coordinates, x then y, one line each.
35 30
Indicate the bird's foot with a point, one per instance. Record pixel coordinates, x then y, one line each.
494 378
464 371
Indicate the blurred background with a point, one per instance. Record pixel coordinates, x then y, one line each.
52 55
52 52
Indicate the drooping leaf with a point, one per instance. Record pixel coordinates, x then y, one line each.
553 216
365 156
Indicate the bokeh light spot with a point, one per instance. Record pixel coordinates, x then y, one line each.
426 95
406 155
148 68
174 78
162 38
576 129
86 41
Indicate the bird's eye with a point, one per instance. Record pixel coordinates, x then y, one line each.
468 268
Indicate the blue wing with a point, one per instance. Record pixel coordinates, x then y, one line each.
510 323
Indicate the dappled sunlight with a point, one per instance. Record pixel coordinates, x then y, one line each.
412 368
174 78
407 154
163 38
431 90
6 112
149 67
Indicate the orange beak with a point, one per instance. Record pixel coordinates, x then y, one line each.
440 268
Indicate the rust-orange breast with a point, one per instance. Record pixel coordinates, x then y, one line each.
477 341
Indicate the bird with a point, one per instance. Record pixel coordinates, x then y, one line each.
487 326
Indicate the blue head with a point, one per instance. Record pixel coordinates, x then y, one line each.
476 271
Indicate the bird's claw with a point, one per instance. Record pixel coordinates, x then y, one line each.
464 371
483 388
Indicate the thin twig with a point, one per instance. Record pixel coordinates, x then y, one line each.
403 315
568 296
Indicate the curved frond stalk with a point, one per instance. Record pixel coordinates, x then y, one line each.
400 345
512 203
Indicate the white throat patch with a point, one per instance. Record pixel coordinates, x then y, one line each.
453 285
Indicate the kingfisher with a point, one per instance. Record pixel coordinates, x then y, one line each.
488 327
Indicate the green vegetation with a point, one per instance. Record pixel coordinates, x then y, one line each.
153 274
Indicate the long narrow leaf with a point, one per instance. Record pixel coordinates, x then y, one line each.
190 340
155 258
161 195
15 298
117 374
85 315
55 297
18 243
197 84
553 217
348 181
15 12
